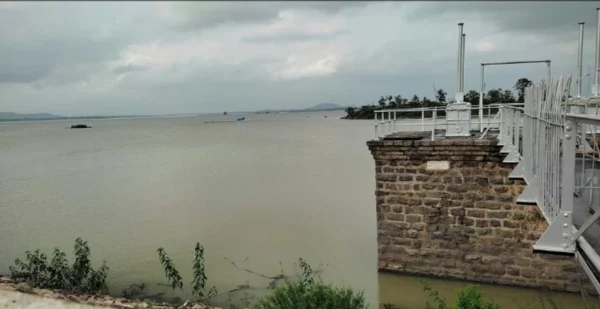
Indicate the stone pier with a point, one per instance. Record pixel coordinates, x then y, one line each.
447 208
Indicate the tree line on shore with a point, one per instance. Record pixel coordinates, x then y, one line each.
493 96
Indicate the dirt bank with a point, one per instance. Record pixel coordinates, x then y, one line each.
7 284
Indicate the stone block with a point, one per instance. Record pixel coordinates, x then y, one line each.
483 231
482 223
468 222
527 273
458 212
488 205
523 262
498 214
511 224
401 241
505 233
386 177
474 213
413 218
398 209
412 234
513 271
418 226
431 202
394 216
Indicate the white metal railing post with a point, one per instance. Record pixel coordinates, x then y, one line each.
481 103
389 122
422 119
558 237
501 127
375 119
433 118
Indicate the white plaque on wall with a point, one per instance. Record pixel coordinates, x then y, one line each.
438 165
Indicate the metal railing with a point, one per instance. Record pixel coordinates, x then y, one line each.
430 119
554 142
559 159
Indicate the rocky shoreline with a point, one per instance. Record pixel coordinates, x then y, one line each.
8 284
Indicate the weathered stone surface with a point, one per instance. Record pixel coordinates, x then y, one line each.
462 222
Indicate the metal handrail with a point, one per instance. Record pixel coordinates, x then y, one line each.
552 145
387 121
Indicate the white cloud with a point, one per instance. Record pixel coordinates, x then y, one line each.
484 46
297 66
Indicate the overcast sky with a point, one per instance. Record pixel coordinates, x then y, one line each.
84 58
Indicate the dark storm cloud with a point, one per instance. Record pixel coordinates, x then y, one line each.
517 16
24 62
63 41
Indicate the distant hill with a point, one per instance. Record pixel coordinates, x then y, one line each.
318 107
324 106
8 116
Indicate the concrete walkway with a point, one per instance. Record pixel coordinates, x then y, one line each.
18 300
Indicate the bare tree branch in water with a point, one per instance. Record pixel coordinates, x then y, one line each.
273 279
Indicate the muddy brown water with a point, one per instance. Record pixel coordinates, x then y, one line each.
262 193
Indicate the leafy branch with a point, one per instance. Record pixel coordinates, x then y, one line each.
170 271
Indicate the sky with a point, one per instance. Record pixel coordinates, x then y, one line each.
120 58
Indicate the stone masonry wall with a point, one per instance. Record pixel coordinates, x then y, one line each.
461 222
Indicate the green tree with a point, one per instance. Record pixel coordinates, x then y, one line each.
495 96
472 97
520 86
391 102
351 111
400 101
415 99
440 96
508 97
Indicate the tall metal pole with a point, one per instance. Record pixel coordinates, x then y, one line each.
481 102
462 65
458 68
549 71
597 71
580 61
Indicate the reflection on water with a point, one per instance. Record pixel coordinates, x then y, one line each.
406 292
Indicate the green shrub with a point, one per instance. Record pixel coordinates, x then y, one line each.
80 277
296 295
468 298
199 280
471 298
307 294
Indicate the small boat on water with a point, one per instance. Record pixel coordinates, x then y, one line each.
80 126
240 119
